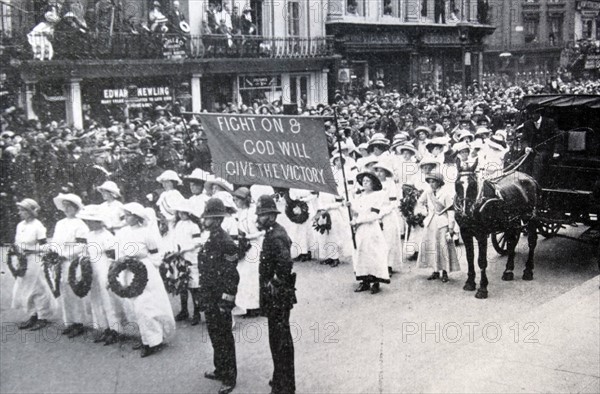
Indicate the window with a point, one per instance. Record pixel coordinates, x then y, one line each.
586 29
556 27
293 15
388 10
531 30
352 8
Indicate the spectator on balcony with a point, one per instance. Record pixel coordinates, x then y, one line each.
248 27
40 38
223 19
483 8
158 20
104 16
352 8
440 11
387 8
177 22
72 37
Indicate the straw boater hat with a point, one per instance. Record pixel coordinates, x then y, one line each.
70 197
110 187
496 143
435 176
383 165
370 160
461 135
138 210
460 146
409 147
199 175
482 131
423 129
376 182
437 141
501 133
399 139
93 213
220 182
378 139
30 205
169 175
428 161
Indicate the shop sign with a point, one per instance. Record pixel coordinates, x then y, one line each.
174 47
589 5
136 97
344 75
592 62
260 81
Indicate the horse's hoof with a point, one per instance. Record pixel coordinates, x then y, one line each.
508 276
527 275
481 294
469 286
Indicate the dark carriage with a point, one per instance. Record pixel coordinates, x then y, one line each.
571 191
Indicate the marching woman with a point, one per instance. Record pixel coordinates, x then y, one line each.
390 214
230 223
107 308
437 249
169 197
112 207
371 253
200 193
247 298
185 241
70 238
30 294
152 309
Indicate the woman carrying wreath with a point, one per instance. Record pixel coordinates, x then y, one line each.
371 254
30 293
153 312
107 308
68 241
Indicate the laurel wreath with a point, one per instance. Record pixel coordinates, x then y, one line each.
21 269
51 262
138 283
410 196
322 222
175 272
300 218
81 287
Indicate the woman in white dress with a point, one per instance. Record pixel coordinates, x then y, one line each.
390 213
112 207
301 234
152 309
185 241
437 250
247 298
371 253
30 293
107 308
68 240
169 197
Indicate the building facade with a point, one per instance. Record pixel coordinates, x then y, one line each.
396 43
117 59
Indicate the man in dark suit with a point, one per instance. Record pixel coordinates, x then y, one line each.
539 137
277 294
217 264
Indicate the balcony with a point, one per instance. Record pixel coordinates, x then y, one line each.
533 46
129 46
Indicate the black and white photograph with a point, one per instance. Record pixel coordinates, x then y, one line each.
299 196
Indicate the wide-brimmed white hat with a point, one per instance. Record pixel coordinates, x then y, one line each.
110 187
383 164
70 197
460 146
497 143
30 204
227 199
220 182
439 141
92 212
199 175
427 161
137 209
169 175
407 146
185 206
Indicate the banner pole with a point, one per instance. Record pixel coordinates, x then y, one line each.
339 141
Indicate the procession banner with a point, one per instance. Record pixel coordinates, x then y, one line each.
280 151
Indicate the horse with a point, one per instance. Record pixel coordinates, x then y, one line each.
502 204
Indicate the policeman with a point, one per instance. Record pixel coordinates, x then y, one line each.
277 294
217 265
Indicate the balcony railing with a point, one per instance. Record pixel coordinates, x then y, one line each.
100 46
528 46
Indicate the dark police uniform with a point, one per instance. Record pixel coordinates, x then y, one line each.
219 278
277 297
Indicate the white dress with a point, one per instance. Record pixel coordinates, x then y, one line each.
248 288
165 205
390 218
70 237
186 235
108 310
152 308
337 243
302 234
370 256
113 211
30 292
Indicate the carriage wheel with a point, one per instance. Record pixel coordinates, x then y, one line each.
549 229
499 243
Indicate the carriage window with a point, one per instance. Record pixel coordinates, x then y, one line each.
576 142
